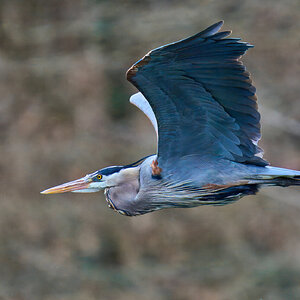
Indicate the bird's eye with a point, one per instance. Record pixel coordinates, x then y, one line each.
99 176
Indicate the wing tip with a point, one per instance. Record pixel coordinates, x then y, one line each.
213 29
219 24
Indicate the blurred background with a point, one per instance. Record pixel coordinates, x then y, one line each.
64 112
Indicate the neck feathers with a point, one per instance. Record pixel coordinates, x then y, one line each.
126 175
122 190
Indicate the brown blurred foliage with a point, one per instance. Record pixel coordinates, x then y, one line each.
64 113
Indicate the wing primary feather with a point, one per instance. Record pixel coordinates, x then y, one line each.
200 98
211 29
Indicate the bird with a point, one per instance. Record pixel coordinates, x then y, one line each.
202 104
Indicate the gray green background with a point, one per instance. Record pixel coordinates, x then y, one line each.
64 112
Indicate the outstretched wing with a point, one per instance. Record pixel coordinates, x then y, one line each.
202 98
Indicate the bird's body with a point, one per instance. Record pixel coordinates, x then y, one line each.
202 104
203 183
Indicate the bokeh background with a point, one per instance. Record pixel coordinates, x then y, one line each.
64 112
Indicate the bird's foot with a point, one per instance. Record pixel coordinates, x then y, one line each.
156 170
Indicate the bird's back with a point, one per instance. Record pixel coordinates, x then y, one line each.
194 181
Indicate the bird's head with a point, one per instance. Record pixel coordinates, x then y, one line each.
94 182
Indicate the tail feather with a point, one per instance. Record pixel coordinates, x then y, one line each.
277 176
284 181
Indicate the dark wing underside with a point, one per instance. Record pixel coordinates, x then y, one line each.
202 98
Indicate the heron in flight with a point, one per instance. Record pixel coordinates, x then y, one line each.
202 105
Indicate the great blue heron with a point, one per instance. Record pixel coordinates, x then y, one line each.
202 104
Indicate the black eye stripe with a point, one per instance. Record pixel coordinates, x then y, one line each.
110 170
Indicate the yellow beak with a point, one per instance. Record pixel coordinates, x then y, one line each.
78 185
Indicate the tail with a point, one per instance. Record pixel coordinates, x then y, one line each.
284 181
274 176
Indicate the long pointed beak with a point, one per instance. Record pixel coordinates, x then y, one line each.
79 185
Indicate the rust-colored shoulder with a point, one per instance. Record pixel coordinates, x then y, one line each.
216 187
133 70
156 170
